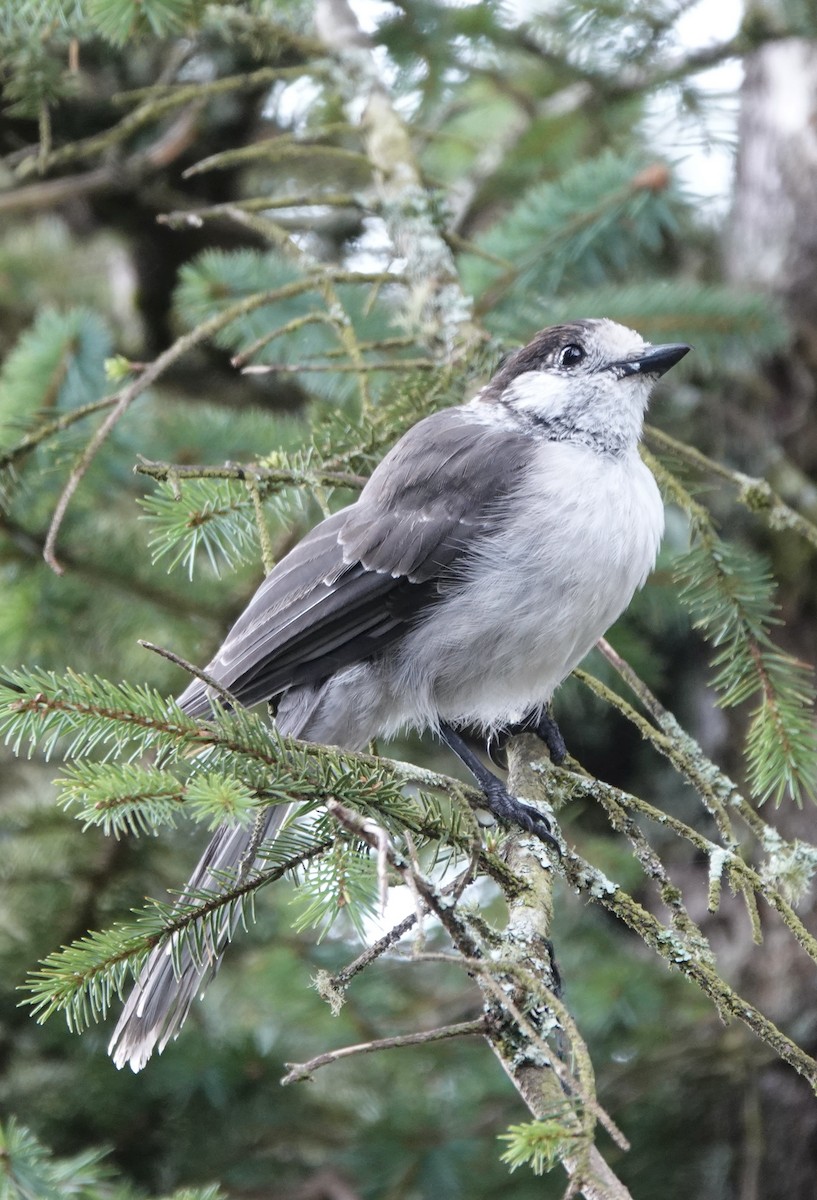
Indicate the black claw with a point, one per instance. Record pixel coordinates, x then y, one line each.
545 727
510 811
497 748
551 735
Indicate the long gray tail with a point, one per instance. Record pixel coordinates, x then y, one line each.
172 978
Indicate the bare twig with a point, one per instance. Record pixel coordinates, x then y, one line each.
196 217
301 1071
50 429
430 896
50 193
716 790
338 982
26 544
637 685
217 687
388 364
667 944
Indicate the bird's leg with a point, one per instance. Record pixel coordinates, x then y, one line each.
543 724
498 800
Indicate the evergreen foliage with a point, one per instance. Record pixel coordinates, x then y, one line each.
601 220
730 596
346 273
31 1173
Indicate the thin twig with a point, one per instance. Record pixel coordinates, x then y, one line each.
388 364
358 825
576 784
49 193
312 318
123 399
339 981
678 747
302 1071
241 472
197 216
191 670
50 428
26 545
715 788
633 681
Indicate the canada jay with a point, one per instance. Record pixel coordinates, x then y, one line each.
489 551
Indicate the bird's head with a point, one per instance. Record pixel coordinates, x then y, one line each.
587 382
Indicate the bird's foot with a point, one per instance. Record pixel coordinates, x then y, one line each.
498 800
510 811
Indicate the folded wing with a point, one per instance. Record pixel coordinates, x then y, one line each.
360 577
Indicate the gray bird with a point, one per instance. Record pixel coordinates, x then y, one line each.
488 552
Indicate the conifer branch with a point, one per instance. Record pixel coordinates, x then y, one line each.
729 593
602 209
41 708
122 400
754 493
49 429
156 105
82 979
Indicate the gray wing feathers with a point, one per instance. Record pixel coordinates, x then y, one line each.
353 583
172 978
342 594
431 496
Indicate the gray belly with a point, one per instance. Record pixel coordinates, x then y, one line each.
532 602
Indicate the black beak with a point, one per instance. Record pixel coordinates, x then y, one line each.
655 361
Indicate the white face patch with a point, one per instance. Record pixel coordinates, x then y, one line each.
544 395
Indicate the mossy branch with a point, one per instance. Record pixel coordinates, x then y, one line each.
677 953
755 494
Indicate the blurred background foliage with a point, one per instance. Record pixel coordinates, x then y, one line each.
163 161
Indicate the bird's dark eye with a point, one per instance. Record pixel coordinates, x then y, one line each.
571 356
